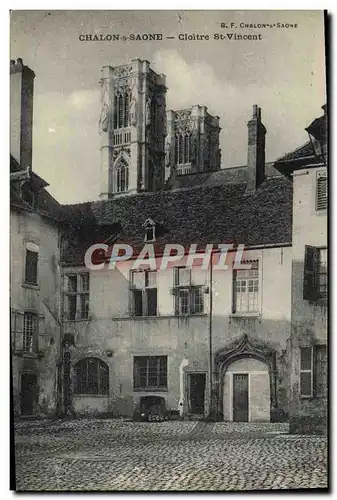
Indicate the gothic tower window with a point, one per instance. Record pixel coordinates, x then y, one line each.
121 176
183 147
121 109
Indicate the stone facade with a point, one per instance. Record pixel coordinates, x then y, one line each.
40 360
35 265
309 331
114 335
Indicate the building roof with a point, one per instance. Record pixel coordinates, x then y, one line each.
207 214
304 151
44 203
233 175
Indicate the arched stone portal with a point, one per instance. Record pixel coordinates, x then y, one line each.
242 368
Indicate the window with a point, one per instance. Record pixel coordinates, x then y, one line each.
189 298
315 280
321 191
121 110
246 289
91 377
183 148
144 293
29 331
150 230
31 263
313 371
77 296
150 372
320 370
306 374
121 176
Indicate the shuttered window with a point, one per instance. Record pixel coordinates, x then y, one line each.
315 280
320 370
321 191
313 371
306 371
31 263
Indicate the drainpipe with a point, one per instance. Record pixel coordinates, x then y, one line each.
210 344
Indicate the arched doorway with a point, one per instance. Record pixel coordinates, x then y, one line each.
246 391
245 372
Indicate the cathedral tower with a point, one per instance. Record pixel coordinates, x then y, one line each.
192 143
132 129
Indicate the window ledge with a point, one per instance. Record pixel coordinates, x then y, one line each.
29 355
77 320
167 316
30 285
150 389
245 315
91 395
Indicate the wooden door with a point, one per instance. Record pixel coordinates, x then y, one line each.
197 382
240 397
28 393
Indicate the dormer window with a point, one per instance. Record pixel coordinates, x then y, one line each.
150 230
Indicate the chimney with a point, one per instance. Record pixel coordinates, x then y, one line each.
21 112
256 151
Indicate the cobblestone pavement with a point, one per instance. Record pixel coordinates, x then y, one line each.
176 456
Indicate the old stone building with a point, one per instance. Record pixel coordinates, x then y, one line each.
35 255
308 392
191 341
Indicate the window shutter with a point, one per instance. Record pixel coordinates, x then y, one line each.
41 334
19 331
322 191
176 276
311 268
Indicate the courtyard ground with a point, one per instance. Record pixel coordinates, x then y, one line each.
116 455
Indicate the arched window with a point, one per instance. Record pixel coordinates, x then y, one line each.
121 109
121 176
183 149
92 377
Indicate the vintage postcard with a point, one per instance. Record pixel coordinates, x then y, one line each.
169 260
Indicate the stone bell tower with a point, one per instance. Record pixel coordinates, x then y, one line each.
132 129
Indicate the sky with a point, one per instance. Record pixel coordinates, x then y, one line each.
284 73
